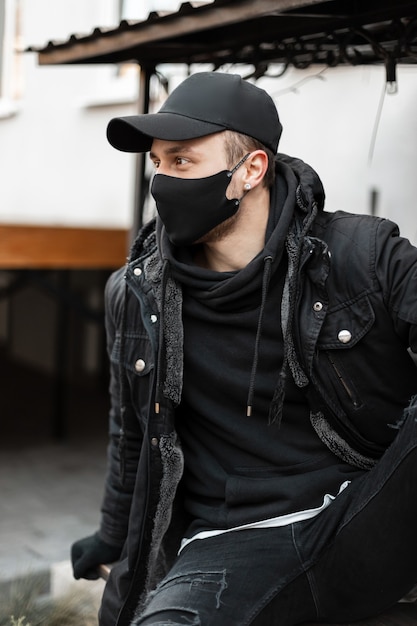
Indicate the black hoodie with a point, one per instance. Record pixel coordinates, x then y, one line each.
239 468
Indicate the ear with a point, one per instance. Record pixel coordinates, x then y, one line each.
255 168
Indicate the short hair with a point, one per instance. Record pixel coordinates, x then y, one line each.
237 145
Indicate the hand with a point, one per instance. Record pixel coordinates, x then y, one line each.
88 553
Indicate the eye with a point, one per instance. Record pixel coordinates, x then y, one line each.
181 161
155 163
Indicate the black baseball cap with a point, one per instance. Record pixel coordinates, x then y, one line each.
204 103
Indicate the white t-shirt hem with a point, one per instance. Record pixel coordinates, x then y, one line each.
273 522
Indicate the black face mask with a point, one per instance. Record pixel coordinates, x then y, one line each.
190 207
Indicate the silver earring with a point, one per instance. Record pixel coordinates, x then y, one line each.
246 186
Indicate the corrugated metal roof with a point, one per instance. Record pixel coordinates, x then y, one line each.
298 32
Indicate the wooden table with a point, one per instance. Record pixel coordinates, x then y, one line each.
61 247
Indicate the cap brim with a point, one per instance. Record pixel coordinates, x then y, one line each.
135 133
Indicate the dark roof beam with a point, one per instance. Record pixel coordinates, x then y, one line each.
176 25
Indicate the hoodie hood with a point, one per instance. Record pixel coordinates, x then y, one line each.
310 187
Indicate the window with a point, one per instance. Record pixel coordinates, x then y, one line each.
11 69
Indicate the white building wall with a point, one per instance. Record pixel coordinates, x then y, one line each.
331 120
57 167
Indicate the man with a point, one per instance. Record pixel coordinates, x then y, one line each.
263 456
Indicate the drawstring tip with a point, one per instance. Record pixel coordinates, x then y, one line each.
248 411
156 407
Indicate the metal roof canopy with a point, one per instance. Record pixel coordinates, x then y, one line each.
293 32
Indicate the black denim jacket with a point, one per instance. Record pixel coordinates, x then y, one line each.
356 318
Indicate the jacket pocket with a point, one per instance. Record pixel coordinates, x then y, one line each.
137 360
346 324
136 354
344 329
343 382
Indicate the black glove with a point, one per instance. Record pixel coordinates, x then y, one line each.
88 553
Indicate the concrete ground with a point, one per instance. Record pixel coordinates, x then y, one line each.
50 496
50 490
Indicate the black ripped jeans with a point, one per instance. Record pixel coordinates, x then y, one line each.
358 557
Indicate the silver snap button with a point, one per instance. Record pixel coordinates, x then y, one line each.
344 336
154 441
137 271
140 365
317 306
154 318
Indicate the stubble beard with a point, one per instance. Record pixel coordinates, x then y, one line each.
224 229
221 231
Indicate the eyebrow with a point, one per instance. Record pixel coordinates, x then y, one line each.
173 150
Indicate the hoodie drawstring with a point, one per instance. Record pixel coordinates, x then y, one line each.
265 284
